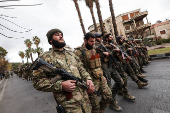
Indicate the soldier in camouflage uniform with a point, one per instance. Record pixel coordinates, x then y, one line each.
12 73
7 74
134 64
92 64
141 57
126 65
61 56
110 68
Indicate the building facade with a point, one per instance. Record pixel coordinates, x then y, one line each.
129 24
159 30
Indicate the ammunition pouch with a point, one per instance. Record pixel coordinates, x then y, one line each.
97 73
95 63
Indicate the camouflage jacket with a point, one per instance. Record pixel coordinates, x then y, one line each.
67 60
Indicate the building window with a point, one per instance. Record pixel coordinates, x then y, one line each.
127 27
111 31
108 21
110 26
162 32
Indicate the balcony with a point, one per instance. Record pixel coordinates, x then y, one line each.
137 17
140 16
144 27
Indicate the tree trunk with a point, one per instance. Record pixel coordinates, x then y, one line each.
113 18
79 14
27 59
100 17
31 57
94 21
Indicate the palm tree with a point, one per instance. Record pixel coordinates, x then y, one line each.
22 55
89 3
100 17
28 44
79 14
36 41
39 51
27 54
113 18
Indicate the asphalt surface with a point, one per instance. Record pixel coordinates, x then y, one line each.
19 96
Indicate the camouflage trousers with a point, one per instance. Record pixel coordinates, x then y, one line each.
111 73
128 69
106 95
135 66
82 106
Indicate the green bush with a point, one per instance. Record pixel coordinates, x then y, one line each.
159 42
168 40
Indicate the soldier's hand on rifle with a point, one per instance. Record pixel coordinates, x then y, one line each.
106 53
117 50
91 87
69 85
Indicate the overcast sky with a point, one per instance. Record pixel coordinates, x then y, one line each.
33 21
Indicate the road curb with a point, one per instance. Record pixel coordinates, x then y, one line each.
160 56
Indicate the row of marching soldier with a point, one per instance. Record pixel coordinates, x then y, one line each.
96 64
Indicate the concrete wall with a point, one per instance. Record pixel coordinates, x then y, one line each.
165 27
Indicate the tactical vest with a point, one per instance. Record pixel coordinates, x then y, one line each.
91 61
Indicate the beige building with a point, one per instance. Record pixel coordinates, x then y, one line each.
129 24
159 30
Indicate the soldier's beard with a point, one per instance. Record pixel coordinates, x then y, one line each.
120 42
89 47
58 44
110 41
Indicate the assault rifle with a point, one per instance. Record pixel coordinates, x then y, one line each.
112 59
63 74
126 55
39 63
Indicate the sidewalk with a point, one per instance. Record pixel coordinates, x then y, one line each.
159 56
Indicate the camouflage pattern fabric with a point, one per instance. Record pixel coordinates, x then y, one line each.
67 60
100 85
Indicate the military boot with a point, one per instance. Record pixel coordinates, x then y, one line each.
114 106
142 79
142 75
141 84
119 92
101 111
126 95
142 70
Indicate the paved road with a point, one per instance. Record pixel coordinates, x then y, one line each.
19 96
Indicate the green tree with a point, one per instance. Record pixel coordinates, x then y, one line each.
3 61
3 52
79 14
22 55
28 43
